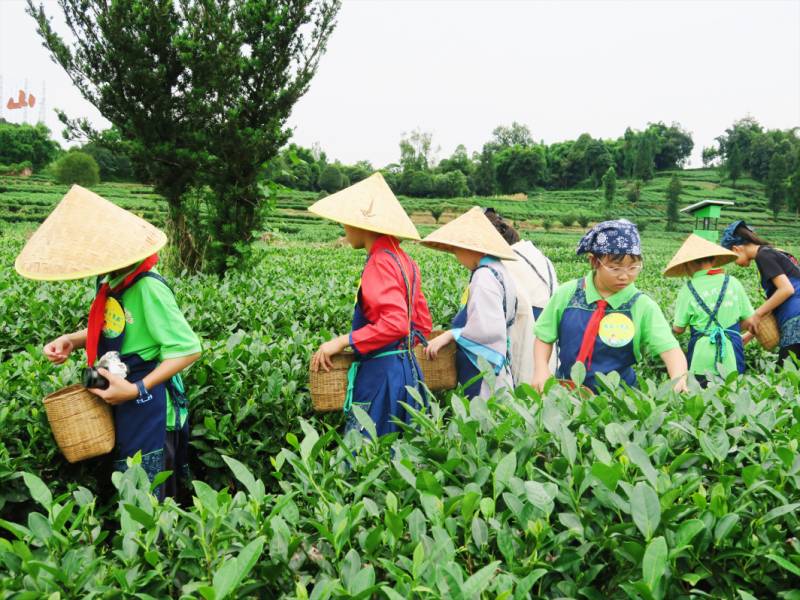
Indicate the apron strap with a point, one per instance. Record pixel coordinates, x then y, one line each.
353 371
549 281
714 330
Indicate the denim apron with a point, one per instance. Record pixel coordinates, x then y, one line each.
465 368
142 426
616 355
377 381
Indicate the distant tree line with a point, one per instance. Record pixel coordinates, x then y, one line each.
771 157
510 162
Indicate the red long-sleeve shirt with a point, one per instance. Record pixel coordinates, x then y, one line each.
384 298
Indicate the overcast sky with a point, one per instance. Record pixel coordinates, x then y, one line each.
460 68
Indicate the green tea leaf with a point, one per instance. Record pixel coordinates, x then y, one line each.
254 487
645 509
475 585
654 563
140 516
715 445
640 458
233 571
785 564
687 531
608 474
504 471
39 491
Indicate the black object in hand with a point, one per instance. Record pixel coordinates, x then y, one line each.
93 379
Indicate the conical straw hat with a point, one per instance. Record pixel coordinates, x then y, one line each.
368 204
86 235
471 231
693 248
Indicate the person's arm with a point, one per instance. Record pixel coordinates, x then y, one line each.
783 291
541 363
121 390
678 330
677 368
60 348
322 357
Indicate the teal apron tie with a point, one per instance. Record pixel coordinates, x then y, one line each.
353 371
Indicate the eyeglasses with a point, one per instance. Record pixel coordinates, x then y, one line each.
632 270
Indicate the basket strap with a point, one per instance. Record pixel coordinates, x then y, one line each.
353 371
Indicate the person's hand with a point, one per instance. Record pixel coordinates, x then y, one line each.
59 349
436 344
322 357
680 385
754 323
119 390
539 381
747 337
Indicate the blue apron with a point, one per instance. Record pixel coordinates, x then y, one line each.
378 379
790 307
605 358
465 367
142 426
715 331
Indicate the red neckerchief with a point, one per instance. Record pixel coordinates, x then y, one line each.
715 271
98 309
590 335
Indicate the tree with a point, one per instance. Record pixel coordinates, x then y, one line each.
417 152
26 143
610 186
673 200
673 145
202 91
634 191
793 189
733 164
776 184
643 167
77 167
331 179
515 135
520 168
459 161
484 179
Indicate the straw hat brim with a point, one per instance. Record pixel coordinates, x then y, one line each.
695 248
84 236
368 204
471 231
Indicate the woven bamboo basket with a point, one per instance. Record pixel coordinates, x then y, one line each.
439 373
328 388
82 423
768 332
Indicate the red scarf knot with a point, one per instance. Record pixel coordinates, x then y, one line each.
98 310
590 335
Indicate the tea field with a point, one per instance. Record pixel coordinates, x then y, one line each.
629 494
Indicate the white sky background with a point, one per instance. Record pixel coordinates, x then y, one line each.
460 68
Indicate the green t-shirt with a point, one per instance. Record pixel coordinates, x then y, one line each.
154 326
735 307
651 330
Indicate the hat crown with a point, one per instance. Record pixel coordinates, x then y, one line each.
369 204
695 248
471 231
87 235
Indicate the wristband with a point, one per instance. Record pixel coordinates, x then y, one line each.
144 393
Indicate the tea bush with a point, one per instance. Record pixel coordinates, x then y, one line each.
640 494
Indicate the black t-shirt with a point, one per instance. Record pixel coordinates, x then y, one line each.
771 263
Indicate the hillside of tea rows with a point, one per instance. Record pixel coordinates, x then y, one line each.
630 494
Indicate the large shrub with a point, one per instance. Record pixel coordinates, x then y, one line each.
331 179
77 167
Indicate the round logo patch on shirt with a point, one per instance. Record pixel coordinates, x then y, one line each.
114 323
616 330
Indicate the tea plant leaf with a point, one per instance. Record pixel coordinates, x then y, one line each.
253 486
724 527
39 491
609 475
578 373
309 441
716 445
477 583
480 532
228 577
654 563
365 421
504 471
780 511
640 458
140 516
645 509
687 531
785 564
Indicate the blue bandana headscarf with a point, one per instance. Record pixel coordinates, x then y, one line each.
729 237
612 237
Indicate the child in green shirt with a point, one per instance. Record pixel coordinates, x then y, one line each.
602 320
713 305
